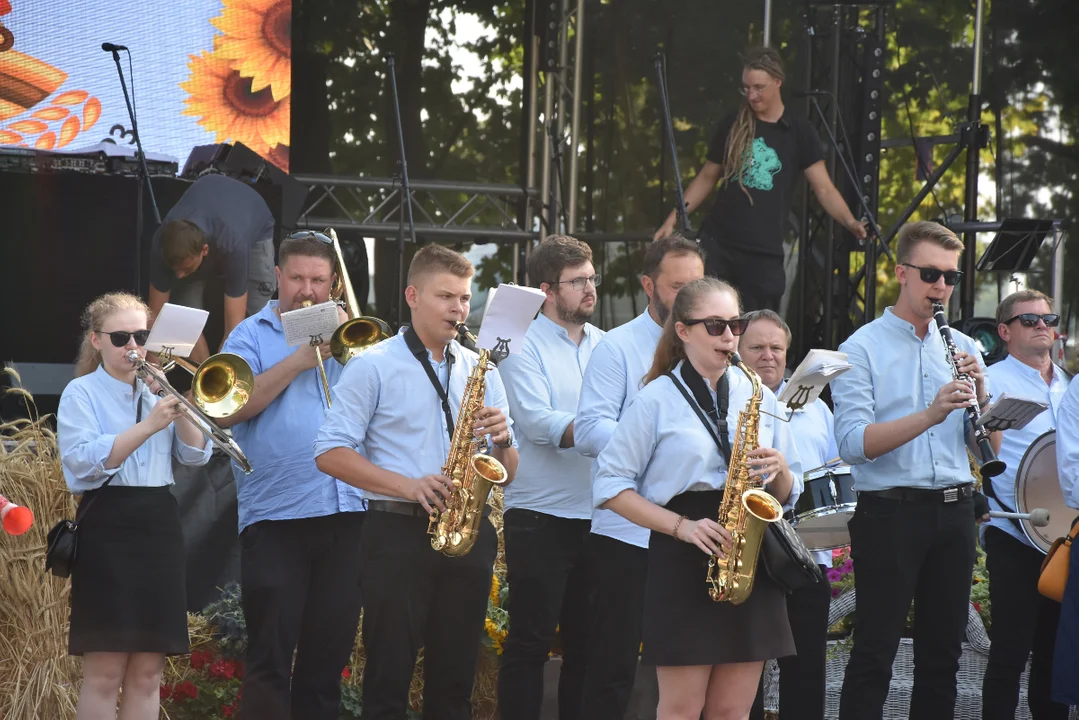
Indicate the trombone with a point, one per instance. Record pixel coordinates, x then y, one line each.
220 386
207 378
357 333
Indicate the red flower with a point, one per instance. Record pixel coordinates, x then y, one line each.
977 606
166 692
346 673
227 710
188 688
199 659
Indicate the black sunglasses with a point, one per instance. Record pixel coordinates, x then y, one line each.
305 234
931 275
1031 319
120 337
717 327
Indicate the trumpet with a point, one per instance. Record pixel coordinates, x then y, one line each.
359 331
150 373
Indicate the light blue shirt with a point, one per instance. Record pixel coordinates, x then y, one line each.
285 483
385 408
543 385
894 375
612 380
1020 380
1068 445
813 428
93 410
661 449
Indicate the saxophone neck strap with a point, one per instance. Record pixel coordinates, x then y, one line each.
702 397
419 351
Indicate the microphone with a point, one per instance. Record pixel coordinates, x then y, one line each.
812 93
109 47
15 518
1038 517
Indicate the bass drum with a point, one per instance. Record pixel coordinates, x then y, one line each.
1037 485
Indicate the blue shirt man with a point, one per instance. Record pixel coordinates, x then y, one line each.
299 527
548 506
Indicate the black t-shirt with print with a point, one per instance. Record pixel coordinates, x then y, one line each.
781 152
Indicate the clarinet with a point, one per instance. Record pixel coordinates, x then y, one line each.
991 465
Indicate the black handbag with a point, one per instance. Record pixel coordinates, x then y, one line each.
786 558
62 547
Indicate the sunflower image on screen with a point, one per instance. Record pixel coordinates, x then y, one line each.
241 90
31 113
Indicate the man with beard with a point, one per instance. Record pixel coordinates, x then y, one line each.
299 528
618 549
549 505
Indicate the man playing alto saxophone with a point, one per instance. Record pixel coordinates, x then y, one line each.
388 433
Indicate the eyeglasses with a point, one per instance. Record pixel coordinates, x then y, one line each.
580 283
1031 319
747 90
305 234
120 337
931 275
717 327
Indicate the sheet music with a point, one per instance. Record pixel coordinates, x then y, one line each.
310 325
176 329
1011 413
509 313
811 376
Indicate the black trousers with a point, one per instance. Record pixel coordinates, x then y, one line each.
300 592
618 571
547 573
902 551
802 676
759 278
1023 621
415 597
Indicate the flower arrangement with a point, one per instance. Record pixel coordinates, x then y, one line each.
498 620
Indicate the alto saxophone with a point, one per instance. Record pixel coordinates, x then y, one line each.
454 531
746 509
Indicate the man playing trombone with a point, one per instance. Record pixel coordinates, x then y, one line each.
299 528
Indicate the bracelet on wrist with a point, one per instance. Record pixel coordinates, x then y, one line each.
677 524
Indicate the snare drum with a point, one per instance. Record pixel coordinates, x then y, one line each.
824 508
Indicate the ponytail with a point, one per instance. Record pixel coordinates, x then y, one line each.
671 350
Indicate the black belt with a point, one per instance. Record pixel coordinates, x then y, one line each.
397 507
921 495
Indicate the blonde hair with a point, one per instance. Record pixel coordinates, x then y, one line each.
436 258
671 350
924 231
736 155
92 319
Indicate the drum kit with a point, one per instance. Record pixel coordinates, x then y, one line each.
828 501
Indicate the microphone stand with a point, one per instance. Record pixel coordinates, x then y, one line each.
683 215
144 174
406 199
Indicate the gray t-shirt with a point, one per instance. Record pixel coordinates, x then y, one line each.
232 216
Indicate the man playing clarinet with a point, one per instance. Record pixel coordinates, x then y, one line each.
912 534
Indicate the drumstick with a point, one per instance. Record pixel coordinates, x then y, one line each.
826 464
1038 517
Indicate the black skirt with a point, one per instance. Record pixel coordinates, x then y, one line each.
127 586
682 624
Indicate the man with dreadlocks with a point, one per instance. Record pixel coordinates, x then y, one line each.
755 157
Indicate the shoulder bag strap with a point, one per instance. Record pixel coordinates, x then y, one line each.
723 447
419 351
84 507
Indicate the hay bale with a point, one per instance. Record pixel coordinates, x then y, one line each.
38 679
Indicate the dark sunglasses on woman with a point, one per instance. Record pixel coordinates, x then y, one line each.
120 337
1031 319
717 327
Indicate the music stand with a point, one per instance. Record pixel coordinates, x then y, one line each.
1015 246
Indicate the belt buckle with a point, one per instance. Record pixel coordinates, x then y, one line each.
951 494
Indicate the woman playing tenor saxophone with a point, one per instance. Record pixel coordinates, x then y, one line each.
664 470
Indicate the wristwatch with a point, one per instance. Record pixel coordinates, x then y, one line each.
988 399
509 441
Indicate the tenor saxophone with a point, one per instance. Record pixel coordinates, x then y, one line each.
746 509
454 531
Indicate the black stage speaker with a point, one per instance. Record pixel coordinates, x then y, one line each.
68 238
